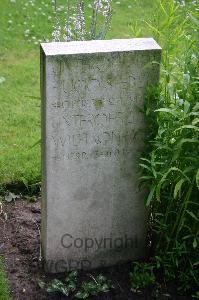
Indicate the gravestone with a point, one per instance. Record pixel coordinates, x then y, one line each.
93 210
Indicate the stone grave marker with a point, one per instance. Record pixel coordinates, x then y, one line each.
93 211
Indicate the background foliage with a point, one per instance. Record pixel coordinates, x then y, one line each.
171 164
23 25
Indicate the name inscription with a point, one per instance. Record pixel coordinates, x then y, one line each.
95 112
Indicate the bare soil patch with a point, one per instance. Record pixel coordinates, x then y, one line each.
20 247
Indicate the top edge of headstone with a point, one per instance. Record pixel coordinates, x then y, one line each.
99 46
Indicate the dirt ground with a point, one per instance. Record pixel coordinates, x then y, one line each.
20 247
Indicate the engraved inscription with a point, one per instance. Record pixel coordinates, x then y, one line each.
96 111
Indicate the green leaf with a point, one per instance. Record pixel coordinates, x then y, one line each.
197 178
73 274
101 278
50 290
152 27
2 79
195 243
154 172
36 143
166 110
65 291
186 78
195 121
41 284
196 107
145 159
182 141
162 7
187 127
58 286
145 167
178 187
194 113
192 215
56 282
186 103
146 177
104 288
33 97
164 177
150 196
187 236
81 295
194 20
71 286
25 182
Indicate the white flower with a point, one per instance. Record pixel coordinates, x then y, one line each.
172 141
27 31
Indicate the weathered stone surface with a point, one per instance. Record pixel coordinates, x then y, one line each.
92 134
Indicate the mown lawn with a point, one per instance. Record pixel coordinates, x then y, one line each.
23 24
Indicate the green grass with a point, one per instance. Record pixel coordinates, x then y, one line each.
19 65
4 289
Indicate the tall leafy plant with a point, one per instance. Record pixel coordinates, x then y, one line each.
171 166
